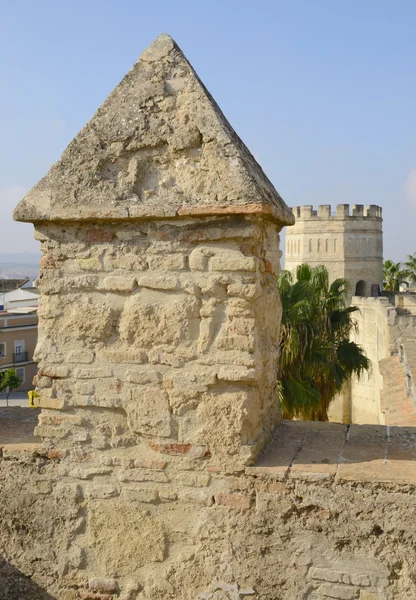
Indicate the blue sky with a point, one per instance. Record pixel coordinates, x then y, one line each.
323 92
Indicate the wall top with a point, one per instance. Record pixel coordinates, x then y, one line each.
159 146
342 211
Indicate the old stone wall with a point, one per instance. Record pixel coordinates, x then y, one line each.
160 337
380 396
79 530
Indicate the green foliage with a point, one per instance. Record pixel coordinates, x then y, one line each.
410 268
9 380
393 275
316 356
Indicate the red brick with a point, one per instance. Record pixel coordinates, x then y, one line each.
172 449
56 453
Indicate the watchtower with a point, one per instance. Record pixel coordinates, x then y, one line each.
348 242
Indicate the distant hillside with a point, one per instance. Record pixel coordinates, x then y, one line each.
19 265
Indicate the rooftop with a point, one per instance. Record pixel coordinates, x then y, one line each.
331 451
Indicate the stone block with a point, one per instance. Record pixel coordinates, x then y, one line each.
169 262
100 492
119 284
341 592
53 371
237 501
233 263
137 495
143 475
125 355
46 402
199 497
92 373
367 595
151 464
148 411
191 479
328 575
81 356
99 584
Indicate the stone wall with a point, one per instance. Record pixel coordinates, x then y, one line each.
160 336
125 530
380 396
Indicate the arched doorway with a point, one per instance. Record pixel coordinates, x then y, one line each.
360 288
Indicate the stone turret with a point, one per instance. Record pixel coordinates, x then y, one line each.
348 242
159 316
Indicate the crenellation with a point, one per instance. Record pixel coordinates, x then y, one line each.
324 211
342 211
357 210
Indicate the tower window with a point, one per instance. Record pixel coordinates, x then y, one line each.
360 288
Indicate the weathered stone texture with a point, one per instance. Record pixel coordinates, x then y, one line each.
240 536
178 356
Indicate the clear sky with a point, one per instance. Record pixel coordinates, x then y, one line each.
323 92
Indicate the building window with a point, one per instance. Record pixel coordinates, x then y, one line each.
310 246
20 372
326 245
298 246
335 245
319 246
2 349
360 288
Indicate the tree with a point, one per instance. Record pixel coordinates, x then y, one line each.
316 355
393 276
9 380
410 268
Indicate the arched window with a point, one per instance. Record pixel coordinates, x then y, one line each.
360 288
319 246
310 246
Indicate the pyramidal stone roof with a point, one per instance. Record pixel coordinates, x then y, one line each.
158 147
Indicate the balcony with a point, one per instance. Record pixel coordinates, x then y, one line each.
19 357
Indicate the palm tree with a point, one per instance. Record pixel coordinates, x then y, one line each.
316 356
410 268
393 276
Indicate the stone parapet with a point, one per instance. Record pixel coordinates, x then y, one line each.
342 211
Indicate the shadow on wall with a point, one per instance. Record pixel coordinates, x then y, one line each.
14 585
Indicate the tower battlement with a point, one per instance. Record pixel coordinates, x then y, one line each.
342 211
